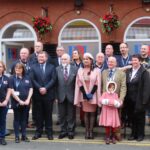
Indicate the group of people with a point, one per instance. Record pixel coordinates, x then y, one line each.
118 85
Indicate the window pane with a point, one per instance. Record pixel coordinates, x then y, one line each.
79 30
17 31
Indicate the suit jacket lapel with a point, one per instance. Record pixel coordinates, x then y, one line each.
61 73
70 71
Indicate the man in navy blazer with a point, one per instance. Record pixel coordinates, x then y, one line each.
33 59
43 77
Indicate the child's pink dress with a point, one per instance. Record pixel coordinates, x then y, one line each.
109 116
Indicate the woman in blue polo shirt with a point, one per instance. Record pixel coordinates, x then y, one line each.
21 94
4 98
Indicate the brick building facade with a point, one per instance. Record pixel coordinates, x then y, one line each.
15 14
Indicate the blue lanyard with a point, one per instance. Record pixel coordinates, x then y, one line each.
125 63
18 80
1 82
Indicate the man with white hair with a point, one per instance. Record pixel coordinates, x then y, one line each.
24 59
119 77
66 76
100 61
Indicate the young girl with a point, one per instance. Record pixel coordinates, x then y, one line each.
109 117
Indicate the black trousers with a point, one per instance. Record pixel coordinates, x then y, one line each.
20 120
67 116
137 120
43 116
138 124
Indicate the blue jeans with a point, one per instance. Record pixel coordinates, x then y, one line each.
20 120
3 113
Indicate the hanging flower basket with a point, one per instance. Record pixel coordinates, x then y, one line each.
109 22
42 25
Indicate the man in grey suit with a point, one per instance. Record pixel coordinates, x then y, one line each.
66 76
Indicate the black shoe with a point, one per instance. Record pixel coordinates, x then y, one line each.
3 142
36 136
70 136
50 137
62 135
87 134
57 123
140 138
91 135
25 139
17 140
82 123
131 138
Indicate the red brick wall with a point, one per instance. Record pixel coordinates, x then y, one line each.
62 11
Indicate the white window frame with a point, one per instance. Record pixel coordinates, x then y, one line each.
34 39
129 26
60 41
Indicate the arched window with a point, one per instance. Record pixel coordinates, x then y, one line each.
137 33
81 34
14 36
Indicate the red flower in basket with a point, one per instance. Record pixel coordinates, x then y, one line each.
109 22
42 25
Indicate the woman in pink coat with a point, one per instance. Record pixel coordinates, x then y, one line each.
109 117
87 92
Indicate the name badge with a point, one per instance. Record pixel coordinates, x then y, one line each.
26 81
16 93
5 82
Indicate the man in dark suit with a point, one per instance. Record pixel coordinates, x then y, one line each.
43 78
59 51
66 75
33 59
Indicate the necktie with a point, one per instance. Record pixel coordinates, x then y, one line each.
110 73
65 73
42 68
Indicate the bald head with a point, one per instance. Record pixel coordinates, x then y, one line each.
65 59
24 54
109 50
38 47
112 62
100 58
144 50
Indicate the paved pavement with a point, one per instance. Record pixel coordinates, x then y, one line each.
98 131
79 143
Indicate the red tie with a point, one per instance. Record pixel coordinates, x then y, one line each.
65 73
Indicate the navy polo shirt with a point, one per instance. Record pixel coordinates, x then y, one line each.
4 85
23 88
123 62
